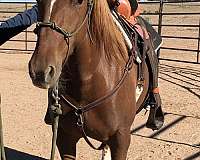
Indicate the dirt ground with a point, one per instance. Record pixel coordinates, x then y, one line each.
26 136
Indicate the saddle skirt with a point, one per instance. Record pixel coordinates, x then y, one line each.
132 24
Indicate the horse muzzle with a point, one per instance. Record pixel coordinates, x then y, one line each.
43 79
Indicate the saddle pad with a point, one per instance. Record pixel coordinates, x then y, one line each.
142 32
126 37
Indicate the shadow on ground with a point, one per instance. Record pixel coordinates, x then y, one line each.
193 156
12 154
164 129
175 75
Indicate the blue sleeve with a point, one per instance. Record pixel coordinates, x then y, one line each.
17 24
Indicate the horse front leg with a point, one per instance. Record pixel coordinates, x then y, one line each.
66 145
119 144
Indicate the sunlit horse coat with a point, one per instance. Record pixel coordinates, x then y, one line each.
22 21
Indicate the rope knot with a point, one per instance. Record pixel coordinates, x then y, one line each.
56 109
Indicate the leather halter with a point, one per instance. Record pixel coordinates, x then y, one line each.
66 34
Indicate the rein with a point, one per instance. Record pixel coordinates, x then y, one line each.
80 110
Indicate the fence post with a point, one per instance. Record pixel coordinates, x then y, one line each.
198 44
26 31
2 150
160 17
160 21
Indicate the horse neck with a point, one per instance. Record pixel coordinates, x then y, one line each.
88 68
92 59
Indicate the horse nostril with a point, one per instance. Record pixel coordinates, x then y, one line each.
32 74
50 72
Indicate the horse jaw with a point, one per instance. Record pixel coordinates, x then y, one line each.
106 153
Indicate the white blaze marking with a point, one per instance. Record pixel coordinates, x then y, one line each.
51 7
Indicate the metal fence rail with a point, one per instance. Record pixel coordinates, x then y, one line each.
29 43
160 26
26 44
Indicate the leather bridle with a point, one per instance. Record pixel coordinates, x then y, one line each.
67 34
80 110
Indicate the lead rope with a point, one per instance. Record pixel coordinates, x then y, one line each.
55 109
2 150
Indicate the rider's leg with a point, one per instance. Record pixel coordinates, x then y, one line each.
134 5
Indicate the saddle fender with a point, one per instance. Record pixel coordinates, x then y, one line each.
156 116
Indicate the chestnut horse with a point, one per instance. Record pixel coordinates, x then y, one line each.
80 47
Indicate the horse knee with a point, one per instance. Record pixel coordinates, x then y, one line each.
119 144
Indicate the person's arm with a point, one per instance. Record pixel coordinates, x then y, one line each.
17 24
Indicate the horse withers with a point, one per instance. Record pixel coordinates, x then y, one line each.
80 48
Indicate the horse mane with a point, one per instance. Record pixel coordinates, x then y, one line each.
105 32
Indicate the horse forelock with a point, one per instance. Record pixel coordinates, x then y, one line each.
106 33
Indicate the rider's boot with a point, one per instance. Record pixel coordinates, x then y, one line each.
156 116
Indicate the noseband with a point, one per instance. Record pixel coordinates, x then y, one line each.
66 34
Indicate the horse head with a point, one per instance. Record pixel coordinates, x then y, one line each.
58 30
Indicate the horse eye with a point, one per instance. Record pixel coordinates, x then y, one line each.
78 1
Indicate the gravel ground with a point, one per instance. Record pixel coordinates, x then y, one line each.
26 136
